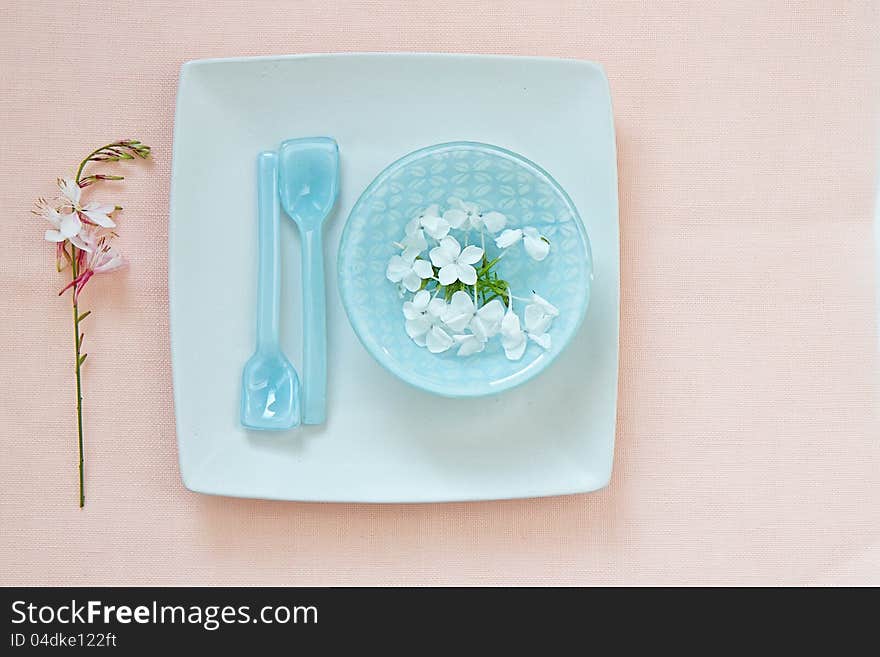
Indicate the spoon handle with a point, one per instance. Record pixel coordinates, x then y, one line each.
314 328
268 281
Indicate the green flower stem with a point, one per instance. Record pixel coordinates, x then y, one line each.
77 343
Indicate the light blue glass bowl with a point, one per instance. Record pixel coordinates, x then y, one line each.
495 179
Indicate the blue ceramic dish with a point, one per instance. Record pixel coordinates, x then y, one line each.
495 179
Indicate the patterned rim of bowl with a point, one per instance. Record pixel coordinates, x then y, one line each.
530 370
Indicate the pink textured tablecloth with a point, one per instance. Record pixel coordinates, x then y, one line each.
748 445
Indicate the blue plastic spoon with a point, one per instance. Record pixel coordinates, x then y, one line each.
270 392
309 184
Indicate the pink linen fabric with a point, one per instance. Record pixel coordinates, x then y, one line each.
748 445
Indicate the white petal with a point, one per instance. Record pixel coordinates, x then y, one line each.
510 324
461 303
423 268
438 257
471 255
449 274
415 242
409 310
512 338
412 226
436 227
455 218
487 322
70 190
469 344
70 224
494 221
52 215
412 281
536 320
459 311
450 246
417 327
456 322
447 251
79 243
535 245
508 238
421 300
100 218
481 330
455 202
410 255
54 236
97 207
438 340
537 249
436 307
492 312
397 269
542 339
466 274
548 307
113 260
515 351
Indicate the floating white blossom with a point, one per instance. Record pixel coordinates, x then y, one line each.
536 245
486 322
414 242
409 270
460 311
433 224
468 216
456 264
422 314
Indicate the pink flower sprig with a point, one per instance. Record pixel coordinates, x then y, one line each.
82 231
102 258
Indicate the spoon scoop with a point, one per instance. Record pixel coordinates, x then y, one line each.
270 390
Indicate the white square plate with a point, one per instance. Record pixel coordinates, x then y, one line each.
384 441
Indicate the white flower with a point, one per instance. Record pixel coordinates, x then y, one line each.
414 242
545 305
409 270
535 244
538 316
103 258
418 318
433 224
460 311
456 264
423 323
67 226
487 320
512 337
465 216
94 213
537 322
